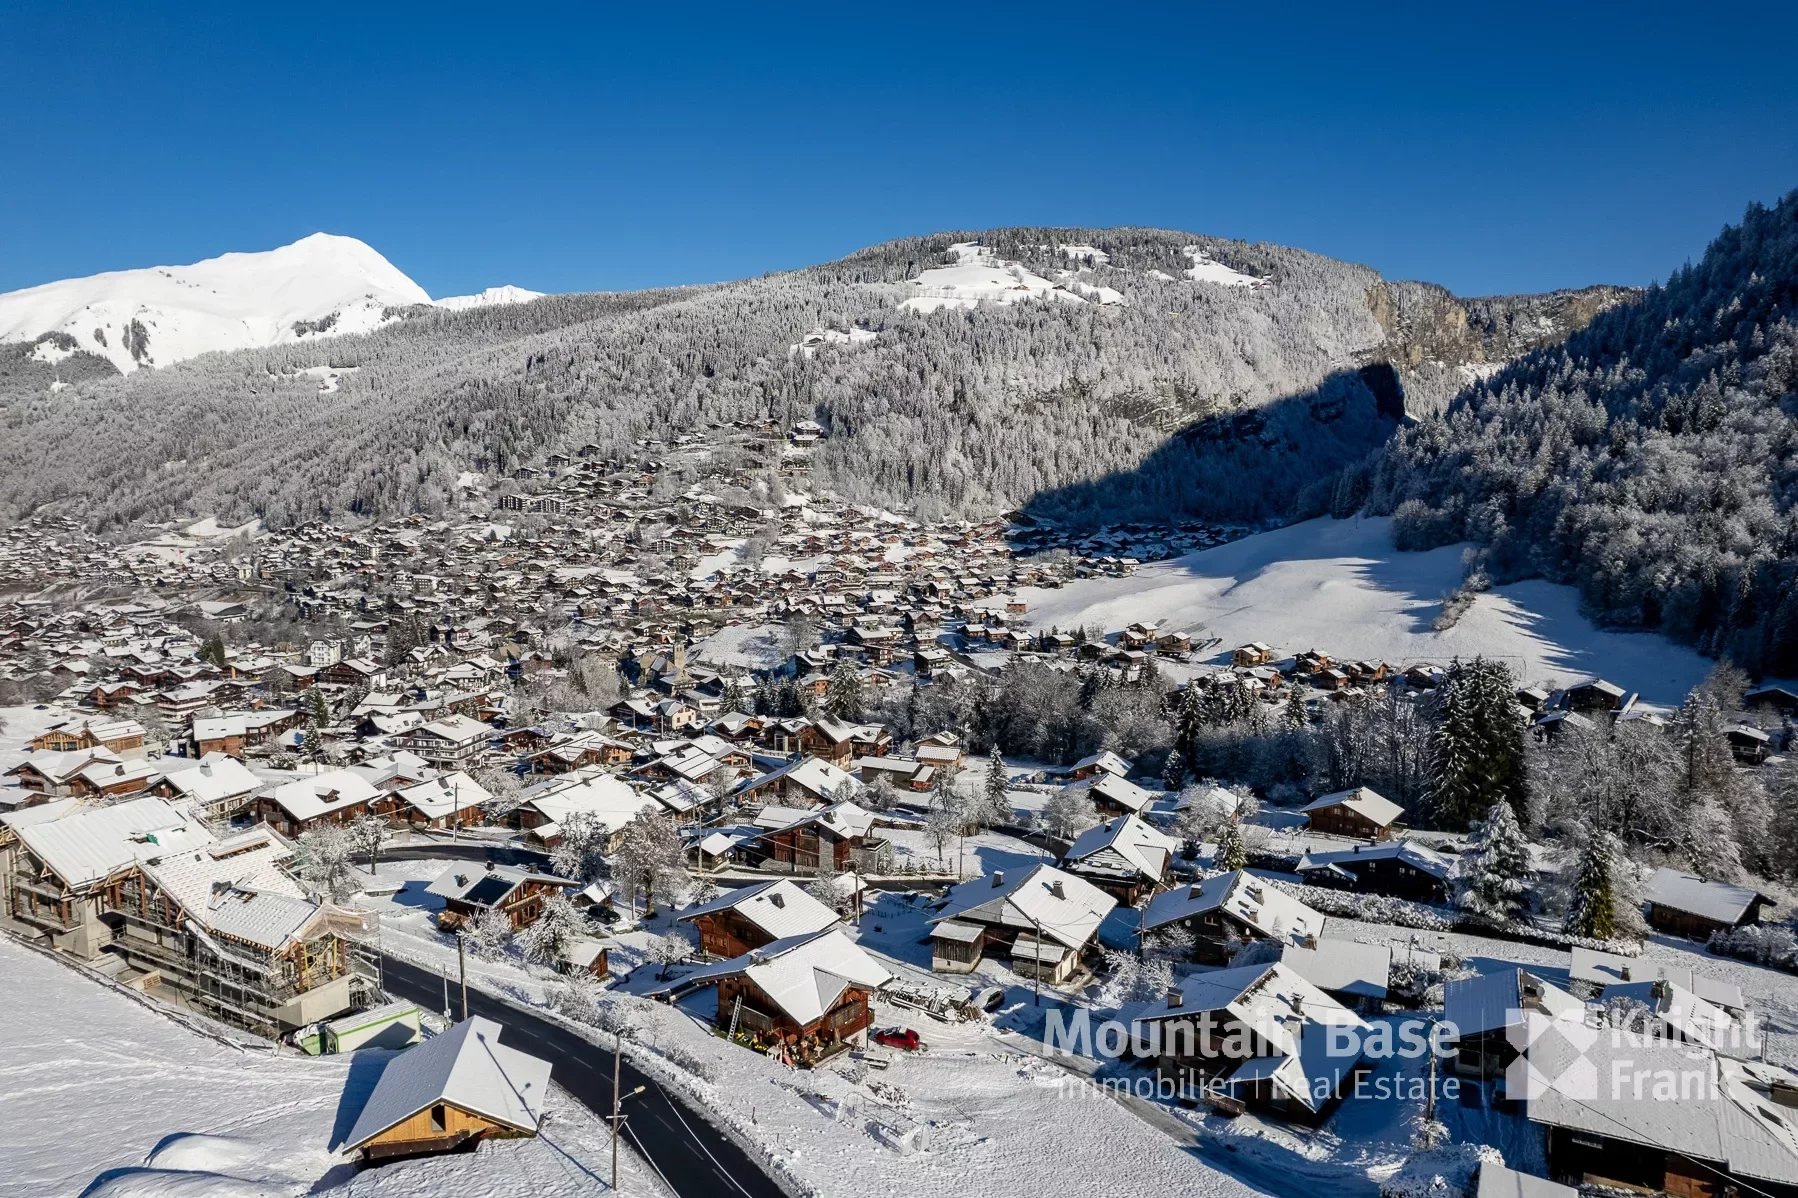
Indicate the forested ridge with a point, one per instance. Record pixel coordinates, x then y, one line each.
1651 461
1206 400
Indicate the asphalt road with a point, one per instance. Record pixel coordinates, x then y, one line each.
696 1158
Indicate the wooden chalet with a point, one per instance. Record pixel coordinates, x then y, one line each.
806 997
452 1090
468 892
754 916
1361 813
1688 905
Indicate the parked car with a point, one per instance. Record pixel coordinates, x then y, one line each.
904 1038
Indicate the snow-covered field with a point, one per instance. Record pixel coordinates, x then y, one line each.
753 646
1340 586
104 1097
979 275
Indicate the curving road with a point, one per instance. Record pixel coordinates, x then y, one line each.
697 1159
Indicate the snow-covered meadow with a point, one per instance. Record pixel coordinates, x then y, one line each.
1340 586
104 1096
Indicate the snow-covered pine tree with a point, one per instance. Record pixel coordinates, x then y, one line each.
1173 771
1477 756
489 933
1232 852
547 941
995 804
1494 877
1593 910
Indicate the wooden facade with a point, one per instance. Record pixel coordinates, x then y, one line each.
440 1127
760 1016
1343 820
728 934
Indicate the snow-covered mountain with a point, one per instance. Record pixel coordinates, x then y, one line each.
491 297
319 285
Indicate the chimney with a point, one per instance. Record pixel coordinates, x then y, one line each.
461 879
778 899
1176 998
1625 973
998 878
1057 889
1296 1001
490 867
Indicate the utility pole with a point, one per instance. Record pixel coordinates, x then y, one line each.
462 969
617 1103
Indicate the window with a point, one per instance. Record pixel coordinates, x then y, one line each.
439 1118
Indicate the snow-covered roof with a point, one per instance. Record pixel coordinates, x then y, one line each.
466 1067
1723 902
1123 843
1291 1019
780 908
319 794
1417 856
435 798
1117 789
1104 760
1064 907
1363 801
846 820
1490 1002
1244 897
1496 1181
802 975
212 778
236 886
1342 966
808 773
489 885
607 799
87 844
1608 969
1725 1113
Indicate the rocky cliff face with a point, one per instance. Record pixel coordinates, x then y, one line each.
1439 342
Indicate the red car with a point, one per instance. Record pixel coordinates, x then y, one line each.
903 1038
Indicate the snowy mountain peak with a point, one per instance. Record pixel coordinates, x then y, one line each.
488 298
321 284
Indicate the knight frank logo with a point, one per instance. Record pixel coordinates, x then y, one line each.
1551 1055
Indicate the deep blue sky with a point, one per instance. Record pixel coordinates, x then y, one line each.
585 148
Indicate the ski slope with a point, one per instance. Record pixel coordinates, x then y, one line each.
1340 586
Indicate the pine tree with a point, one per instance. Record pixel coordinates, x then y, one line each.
547 941
995 801
1173 771
1476 751
1593 911
1296 716
1232 852
1495 872
843 693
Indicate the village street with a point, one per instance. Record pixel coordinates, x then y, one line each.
693 1156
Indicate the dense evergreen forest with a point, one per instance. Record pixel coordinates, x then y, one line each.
1652 461
1220 401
